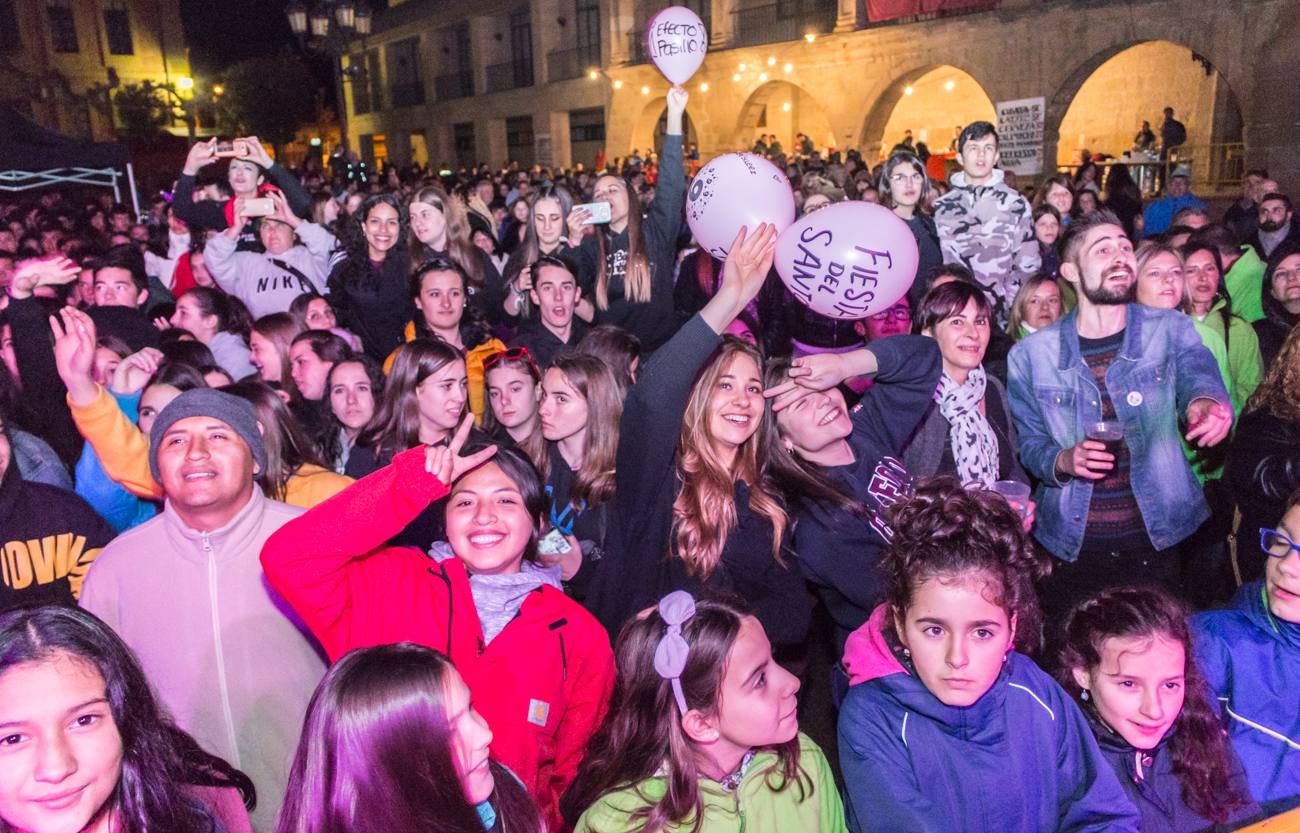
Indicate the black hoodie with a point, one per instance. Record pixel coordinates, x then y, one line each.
1273 328
48 539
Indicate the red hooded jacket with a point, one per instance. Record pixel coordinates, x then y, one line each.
542 684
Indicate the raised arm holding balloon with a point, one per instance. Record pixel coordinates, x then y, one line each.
627 265
691 471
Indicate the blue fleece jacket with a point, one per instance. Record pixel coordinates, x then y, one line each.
1251 660
114 503
1021 759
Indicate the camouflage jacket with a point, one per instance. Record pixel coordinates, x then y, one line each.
990 230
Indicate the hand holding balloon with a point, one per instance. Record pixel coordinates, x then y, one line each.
735 191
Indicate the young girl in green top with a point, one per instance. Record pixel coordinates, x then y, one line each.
702 734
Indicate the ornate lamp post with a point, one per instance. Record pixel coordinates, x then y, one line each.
329 28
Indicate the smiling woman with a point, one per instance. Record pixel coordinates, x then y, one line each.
84 745
539 666
692 474
1127 657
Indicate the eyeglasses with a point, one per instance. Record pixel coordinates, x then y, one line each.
513 354
1277 544
896 313
1286 275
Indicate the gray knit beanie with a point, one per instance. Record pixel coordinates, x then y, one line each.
206 402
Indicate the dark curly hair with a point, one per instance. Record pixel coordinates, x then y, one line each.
355 270
1201 757
946 530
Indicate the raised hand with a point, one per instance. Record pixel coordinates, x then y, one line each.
282 211
135 371
51 270
201 154
74 353
749 260
256 153
444 461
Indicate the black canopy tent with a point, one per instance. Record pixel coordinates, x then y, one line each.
33 157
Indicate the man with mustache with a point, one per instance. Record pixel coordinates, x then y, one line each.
1275 224
1113 509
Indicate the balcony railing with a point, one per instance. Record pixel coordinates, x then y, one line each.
774 23
572 63
509 76
407 95
454 85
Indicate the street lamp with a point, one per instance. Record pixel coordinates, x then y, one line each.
329 28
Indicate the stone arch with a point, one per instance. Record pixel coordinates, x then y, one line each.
1220 117
923 81
784 108
647 133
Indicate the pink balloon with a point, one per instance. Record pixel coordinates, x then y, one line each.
848 260
676 41
734 190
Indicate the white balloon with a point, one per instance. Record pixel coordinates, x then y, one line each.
676 41
734 190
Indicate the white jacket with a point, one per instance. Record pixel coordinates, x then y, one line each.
226 656
263 286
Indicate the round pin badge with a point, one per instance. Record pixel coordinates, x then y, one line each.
1134 398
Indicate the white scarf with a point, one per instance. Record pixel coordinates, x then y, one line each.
974 445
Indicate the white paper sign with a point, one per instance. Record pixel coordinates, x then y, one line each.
1020 134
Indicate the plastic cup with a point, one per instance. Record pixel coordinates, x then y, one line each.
1110 434
1016 494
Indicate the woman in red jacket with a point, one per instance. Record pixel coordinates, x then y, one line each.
539 666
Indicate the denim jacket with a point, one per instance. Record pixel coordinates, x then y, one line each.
1161 368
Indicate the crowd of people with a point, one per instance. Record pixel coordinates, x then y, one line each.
434 503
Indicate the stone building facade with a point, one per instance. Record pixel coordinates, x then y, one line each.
553 81
61 59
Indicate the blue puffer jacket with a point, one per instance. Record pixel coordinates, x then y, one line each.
1251 660
1021 759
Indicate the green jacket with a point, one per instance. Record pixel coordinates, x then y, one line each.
1245 365
753 808
1243 283
1207 463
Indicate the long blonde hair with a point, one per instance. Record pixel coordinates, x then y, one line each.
459 246
704 512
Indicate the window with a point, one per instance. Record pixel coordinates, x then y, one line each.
587 125
519 140
360 87
367 93
462 138
63 26
373 78
10 38
521 47
404 83
588 23
117 25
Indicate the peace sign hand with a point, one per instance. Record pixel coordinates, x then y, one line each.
444 461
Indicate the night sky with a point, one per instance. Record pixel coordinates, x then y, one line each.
226 31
